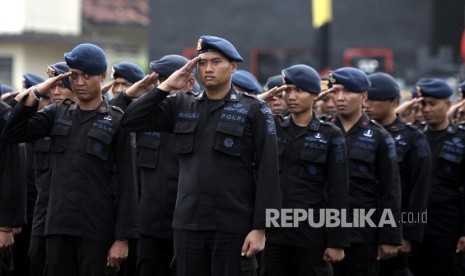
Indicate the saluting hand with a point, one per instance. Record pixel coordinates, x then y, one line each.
141 87
107 87
271 93
406 108
117 253
253 243
180 78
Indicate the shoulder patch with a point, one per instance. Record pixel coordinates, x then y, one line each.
330 124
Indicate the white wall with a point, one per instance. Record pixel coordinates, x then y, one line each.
41 16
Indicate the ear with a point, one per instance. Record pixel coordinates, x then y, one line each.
448 104
103 76
364 96
233 66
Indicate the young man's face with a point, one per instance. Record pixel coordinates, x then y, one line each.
378 110
215 69
348 103
327 106
435 110
120 85
297 100
86 87
59 93
277 104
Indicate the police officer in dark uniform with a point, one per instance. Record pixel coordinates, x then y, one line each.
414 158
59 92
314 176
226 144
12 196
442 250
276 103
89 217
374 183
159 169
124 75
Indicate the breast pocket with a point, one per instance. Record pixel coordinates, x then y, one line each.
362 164
59 136
41 149
98 143
228 138
313 164
185 133
449 168
148 145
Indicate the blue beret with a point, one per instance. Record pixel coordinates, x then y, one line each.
31 80
208 43
246 81
274 81
304 77
166 65
355 80
383 87
57 69
435 88
128 71
88 58
5 88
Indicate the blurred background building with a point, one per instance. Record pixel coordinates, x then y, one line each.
408 39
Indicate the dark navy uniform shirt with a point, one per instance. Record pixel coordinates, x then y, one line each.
158 167
374 181
12 190
313 174
227 156
414 158
446 211
88 149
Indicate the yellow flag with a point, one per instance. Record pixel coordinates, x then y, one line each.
321 12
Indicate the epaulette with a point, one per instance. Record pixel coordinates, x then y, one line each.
193 93
67 101
252 96
117 108
330 124
411 126
376 123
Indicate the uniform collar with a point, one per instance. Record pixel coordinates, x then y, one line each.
397 125
103 108
313 125
232 96
363 122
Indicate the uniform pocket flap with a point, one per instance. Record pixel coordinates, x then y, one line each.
149 140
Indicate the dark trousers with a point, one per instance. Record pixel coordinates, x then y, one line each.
360 260
396 266
282 260
20 251
154 256
76 256
37 251
215 253
436 256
